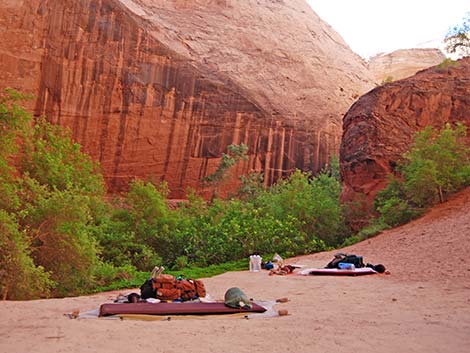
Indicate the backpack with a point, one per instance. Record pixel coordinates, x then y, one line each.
191 288
166 287
187 289
200 288
147 290
357 261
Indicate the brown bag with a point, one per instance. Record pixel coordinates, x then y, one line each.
166 288
187 288
200 288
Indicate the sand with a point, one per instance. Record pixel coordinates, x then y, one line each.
423 305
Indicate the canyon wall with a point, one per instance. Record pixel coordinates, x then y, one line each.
158 89
380 126
403 63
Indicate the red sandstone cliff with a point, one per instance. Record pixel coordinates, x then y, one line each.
159 88
379 127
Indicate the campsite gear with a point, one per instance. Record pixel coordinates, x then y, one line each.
255 263
133 298
268 265
357 261
284 270
279 260
346 266
166 288
175 309
379 268
235 298
200 288
337 272
191 288
147 290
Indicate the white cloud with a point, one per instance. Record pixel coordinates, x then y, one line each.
373 26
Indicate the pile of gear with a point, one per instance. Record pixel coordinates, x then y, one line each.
342 261
170 288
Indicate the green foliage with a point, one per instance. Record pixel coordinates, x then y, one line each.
386 80
20 278
251 186
235 154
447 62
59 236
437 165
53 159
314 203
51 192
58 224
457 39
14 122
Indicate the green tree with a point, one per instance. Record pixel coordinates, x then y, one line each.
14 123
20 278
457 39
53 159
50 190
235 153
437 164
59 226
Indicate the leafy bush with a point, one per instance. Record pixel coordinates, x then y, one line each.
437 165
20 278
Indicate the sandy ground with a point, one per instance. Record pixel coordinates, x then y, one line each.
422 306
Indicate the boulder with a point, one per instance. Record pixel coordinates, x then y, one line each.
380 126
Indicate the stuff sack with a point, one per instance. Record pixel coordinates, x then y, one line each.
191 288
187 289
147 290
200 288
357 261
166 287
236 298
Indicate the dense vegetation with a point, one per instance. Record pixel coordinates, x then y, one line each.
437 165
58 235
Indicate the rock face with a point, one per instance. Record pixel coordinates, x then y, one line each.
380 126
159 88
403 63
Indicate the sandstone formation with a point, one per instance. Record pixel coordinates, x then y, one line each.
403 63
380 126
159 88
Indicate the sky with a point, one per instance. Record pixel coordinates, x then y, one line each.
374 26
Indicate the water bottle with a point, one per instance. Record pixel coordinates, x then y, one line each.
255 263
346 266
257 266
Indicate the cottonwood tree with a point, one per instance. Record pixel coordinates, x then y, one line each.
457 40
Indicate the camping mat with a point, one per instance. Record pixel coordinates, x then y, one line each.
175 309
337 272
267 304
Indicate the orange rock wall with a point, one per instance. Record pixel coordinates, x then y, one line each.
380 126
139 108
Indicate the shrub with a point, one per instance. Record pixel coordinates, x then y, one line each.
436 165
20 278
